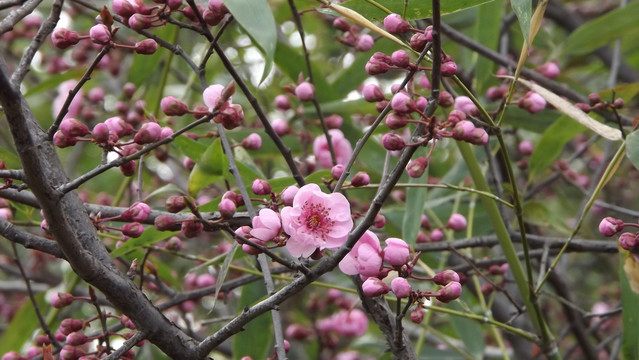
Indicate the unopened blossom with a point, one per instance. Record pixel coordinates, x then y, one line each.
305 91
457 222
396 120
365 258
402 103
75 106
133 230
149 132
171 106
316 221
610 226
372 93
396 252
446 276
532 102
417 167
436 235
393 142
6 214
261 187
267 225
346 323
418 41
252 142
226 208
118 126
146 47
549 70
400 58
334 121
64 38
365 43
281 127
282 102
212 94
361 178
341 146
525 147
288 194
126 8
466 105
450 292
139 211
394 24
446 100
100 34
72 127
401 288
374 287
62 141
628 241
337 171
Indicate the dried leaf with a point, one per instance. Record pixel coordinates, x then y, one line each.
572 111
107 18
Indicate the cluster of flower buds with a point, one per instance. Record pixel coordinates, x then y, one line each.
456 222
596 103
610 226
498 271
351 35
577 179
380 63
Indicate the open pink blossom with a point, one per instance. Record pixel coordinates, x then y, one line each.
365 258
341 145
266 225
316 221
212 94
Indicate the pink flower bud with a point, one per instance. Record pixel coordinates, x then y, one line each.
261 187
235 197
334 121
226 208
478 136
365 43
250 250
205 280
140 22
618 103
549 70
450 292
174 4
376 68
532 102
126 8
139 211
401 288
446 100
230 117
69 352
100 34
305 91
525 147
402 103
76 338
267 225
288 194
393 142
400 58
298 332
397 252
628 241
594 98
192 227
148 133
166 132
436 235
175 203
374 287
445 277
360 179
496 92
282 102
133 230
281 127
64 38
463 130
396 120
336 171
71 127
466 105
173 107
164 223
5 213
417 316
610 226
449 68
372 93
67 326
173 244
457 222
60 300
252 142
146 47
583 107
380 221
118 126
128 168
416 167
62 141
342 24
418 41
394 24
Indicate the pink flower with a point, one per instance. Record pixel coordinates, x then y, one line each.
341 145
212 94
365 258
266 225
396 252
316 221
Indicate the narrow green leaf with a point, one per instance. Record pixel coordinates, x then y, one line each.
523 10
53 81
630 313
255 341
489 17
602 30
257 20
211 167
415 199
189 147
22 325
632 148
551 144
221 275
624 91
414 10
467 330
150 236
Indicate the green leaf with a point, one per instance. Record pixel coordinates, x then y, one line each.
10 159
630 313
523 10
602 30
257 20
53 81
632 148
624 91
150 236
551 144
415 199
255 341
489 17
221 275
211 167
23 324
374 10
467 330
189 147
